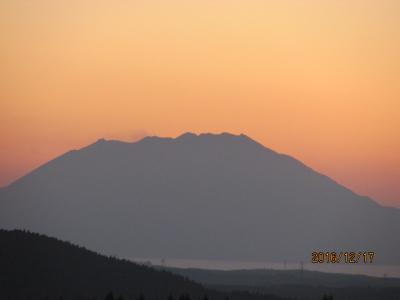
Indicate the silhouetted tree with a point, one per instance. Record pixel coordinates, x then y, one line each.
184 297
170 297
110 296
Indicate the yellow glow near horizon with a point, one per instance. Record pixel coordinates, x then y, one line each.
319 80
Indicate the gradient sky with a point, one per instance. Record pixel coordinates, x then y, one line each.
319 80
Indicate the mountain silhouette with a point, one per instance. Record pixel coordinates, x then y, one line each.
204 196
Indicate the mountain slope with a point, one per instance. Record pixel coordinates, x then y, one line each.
197 196
35 266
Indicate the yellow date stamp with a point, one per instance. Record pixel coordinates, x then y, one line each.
346 257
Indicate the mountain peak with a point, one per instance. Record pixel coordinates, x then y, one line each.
100 141
186 135
224 191
191 135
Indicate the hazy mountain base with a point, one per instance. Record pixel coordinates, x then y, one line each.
304 292
267 278
297 284
206 196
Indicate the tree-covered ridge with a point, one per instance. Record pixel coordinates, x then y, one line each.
35 266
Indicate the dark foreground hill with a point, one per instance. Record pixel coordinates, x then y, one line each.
197 196
34 266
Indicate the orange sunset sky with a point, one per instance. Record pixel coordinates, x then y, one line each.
318 80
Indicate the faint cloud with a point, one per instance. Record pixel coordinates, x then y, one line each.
34 150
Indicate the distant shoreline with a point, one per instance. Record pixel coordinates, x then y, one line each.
374 270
